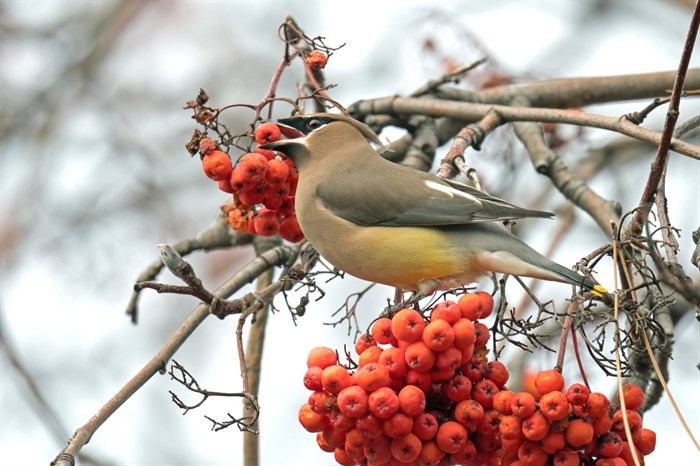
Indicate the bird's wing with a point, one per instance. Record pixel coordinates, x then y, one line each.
414 199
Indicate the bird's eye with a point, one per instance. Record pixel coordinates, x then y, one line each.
313 124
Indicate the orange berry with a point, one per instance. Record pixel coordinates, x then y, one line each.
469 413
421 380
267 132
512 445
531 454
633 396
523 404
334 379
466 455
458 388
602 424
323 443
252 196
340 421
310 420
510 427
609 444
267 223
553 441
333 437
383 403
464 333
269 154
483 392
239 183
535 427
352 401
425 426
419 357
406 448
566 457
438 335
475 306
369 425
408 325
322 357
481 332
430 454
627 453
450 358
253 166
363 342
317 60
635 424
290 229
320 402
502 401
355 439
446 310
225 186
451 437
342 458
411 400
274 194
217 165
378 450
439 375
579 433
277 171
597 404
554 405
371 354
549 381
647 441
475 369
610 462
397 425
381 330
312 378
373 376
497 372
395 360
577 394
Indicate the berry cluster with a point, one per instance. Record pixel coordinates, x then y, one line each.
262 183
424 394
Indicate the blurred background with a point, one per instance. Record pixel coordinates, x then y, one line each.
94 174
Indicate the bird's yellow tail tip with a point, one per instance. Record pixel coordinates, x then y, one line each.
599 290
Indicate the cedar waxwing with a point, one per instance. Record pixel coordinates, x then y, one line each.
398 226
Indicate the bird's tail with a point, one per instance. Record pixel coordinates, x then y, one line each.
579 280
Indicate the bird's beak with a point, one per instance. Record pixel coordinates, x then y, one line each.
289 132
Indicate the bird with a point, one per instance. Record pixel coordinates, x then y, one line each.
394 225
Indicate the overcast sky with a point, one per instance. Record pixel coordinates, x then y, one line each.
93 174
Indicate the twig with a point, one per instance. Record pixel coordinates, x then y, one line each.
470 112
82 435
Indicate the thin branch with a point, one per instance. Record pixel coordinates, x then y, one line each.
82 435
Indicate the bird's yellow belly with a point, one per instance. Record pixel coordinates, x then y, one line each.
401 257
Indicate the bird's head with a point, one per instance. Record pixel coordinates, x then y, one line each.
311 138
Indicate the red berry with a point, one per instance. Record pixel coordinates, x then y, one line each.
317 60
267 222
217 165
267 132
290 229
253 166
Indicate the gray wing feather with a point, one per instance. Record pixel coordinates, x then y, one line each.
414 199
